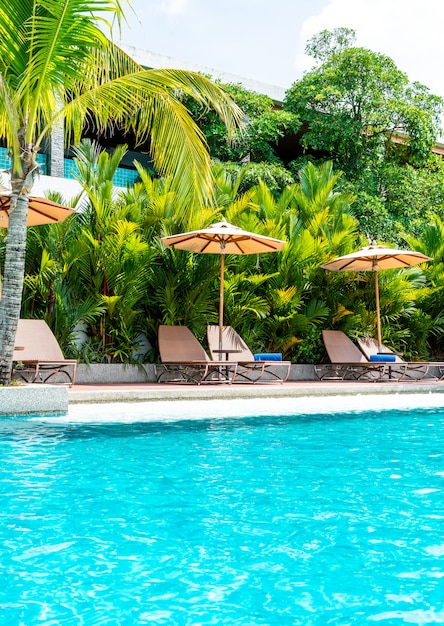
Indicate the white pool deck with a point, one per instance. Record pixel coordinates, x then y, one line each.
145 392
166 402
150 400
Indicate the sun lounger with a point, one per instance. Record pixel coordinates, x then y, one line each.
347 362
184 360
251 368
37 355
399 369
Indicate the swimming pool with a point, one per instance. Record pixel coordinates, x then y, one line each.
312 518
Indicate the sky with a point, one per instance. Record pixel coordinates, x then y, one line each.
264 40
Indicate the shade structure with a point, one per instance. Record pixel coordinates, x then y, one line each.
223 238
40 211
373 259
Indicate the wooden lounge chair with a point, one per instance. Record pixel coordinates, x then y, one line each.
37 355
347 362
399 369
184 359
235 350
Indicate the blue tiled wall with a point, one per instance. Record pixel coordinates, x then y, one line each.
70 169
121 178
5 161
124 176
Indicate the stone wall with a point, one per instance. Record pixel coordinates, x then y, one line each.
115 373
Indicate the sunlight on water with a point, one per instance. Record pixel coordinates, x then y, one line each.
299 511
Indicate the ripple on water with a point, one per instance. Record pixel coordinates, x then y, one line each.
297 518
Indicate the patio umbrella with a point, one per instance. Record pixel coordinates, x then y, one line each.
223 238
372 259
40 211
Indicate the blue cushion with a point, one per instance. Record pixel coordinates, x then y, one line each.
272 356
382 358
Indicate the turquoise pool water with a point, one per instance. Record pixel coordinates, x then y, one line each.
313 519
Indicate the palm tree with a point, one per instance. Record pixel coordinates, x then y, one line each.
56 65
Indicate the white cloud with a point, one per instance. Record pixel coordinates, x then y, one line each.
408 31
174 7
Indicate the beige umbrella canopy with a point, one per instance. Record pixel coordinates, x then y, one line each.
372 259
40 211
223 238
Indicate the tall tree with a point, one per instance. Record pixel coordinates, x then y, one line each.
265 125
56 64
358 105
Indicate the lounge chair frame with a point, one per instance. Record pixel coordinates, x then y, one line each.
399 369
184 360
192 373
235 351
351 371
347 362
37 355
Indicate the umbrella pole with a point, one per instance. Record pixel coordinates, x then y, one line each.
221 301
378 313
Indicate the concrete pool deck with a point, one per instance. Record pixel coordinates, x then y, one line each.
56 399
144 392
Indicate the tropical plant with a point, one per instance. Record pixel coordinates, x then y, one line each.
56 64
277 177
108 271
431 298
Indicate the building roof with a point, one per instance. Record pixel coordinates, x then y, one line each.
153 60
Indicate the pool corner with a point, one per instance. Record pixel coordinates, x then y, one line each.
32 399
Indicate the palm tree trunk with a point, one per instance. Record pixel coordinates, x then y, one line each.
13 274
